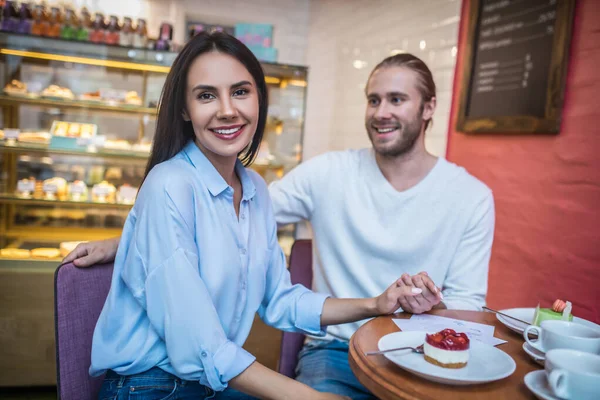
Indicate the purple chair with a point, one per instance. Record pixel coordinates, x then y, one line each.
301 272
79 295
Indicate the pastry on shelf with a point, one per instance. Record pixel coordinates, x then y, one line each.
55 91
91 96
40 137
60 128
75 217
78 191
55 189
45 253
72 129
126 194
38 193
15 253
15 87
113 174
67 247
133 98
447 349
117 144
87 130
103 192
142 147
25 188
561 310
56 217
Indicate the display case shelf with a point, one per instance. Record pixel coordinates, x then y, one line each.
7 198
44 149
50 234
9 100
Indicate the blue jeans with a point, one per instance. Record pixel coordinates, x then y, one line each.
156 384
324 367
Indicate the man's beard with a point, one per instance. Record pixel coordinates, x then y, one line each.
409 133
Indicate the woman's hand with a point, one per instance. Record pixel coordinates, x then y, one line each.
430 296
393 297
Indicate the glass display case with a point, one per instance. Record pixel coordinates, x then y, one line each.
78 121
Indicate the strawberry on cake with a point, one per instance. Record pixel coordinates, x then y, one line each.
447 349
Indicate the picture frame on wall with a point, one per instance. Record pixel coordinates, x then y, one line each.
514 66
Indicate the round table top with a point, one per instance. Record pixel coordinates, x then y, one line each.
388 381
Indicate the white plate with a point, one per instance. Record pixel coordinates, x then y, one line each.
536 382
486 363
526 314
537 356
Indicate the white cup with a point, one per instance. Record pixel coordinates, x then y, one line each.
573 374
563 335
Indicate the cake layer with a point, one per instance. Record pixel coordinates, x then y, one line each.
439 364
446 356
544 314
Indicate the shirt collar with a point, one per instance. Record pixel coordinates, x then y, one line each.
211 177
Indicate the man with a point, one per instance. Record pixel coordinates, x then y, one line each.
380 211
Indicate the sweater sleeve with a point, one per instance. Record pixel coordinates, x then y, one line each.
465 286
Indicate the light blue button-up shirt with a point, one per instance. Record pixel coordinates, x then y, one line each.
190 275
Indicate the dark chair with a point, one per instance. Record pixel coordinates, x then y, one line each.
79 295
301 272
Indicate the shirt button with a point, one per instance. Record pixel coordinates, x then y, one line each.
243 216
204 354
243 251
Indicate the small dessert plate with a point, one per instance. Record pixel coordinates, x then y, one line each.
536 382
537 356
526 314
486 363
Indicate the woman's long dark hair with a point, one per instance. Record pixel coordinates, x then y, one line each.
172 132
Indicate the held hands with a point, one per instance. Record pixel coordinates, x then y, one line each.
416 295
98 252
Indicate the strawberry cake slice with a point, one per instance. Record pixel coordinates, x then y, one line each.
447 349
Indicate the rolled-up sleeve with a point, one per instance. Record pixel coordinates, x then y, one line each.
288 307
163 274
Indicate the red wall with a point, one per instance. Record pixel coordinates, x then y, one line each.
546 187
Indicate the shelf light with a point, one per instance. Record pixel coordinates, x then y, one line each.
85 60
297 82
272 80
118 64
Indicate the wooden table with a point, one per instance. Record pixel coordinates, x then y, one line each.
388 381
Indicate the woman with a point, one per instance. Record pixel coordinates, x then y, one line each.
199 254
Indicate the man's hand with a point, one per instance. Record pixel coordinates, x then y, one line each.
99 252
430 296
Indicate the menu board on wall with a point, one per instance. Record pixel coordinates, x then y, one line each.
514 65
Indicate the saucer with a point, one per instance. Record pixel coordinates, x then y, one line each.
537 356
536 382
526 314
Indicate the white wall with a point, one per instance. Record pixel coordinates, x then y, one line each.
347 32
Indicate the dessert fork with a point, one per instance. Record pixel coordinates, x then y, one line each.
418 349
